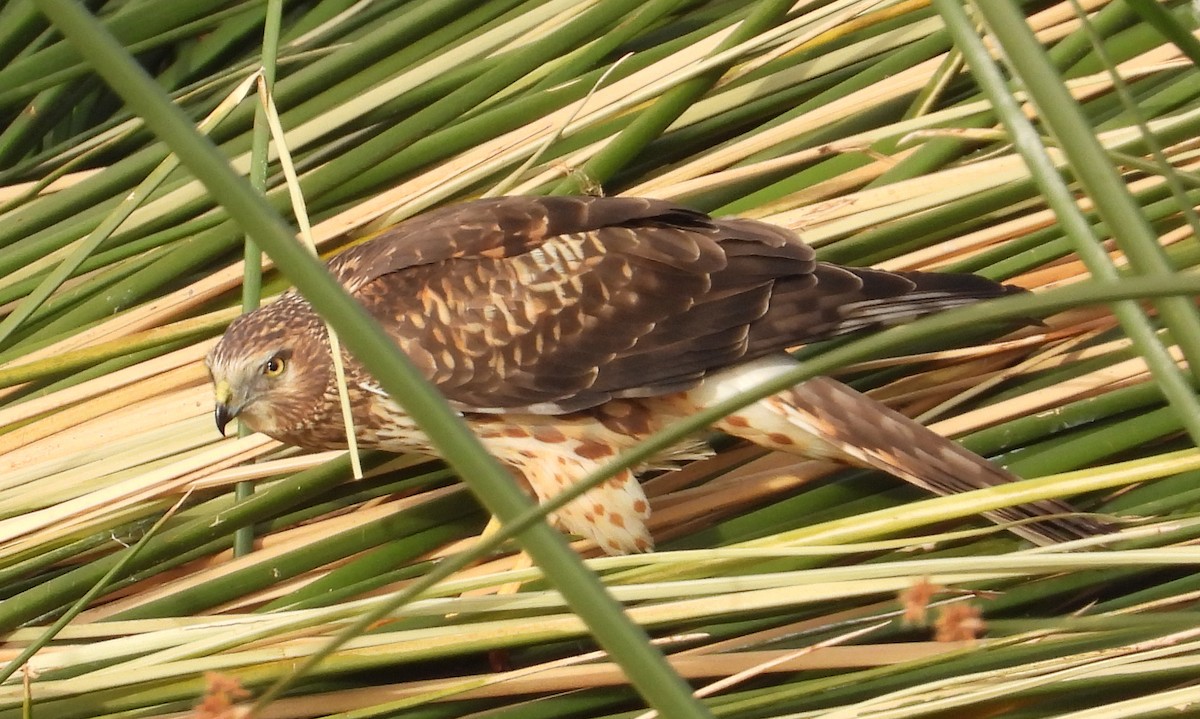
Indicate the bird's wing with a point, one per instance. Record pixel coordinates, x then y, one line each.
557 304
492 229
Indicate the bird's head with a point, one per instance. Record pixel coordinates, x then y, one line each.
271 368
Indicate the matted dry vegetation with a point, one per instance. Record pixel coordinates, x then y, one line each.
782 588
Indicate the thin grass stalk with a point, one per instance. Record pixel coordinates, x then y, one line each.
306 84
1086 446
1135 323
302 85
1163 703
28 308
651 123
963 690
593 54
50 594
58 62
243 540
125 560
505 185
1090 165
626 642
398 45
51 179
19 25
1153 12
248 576
300 210
1082 412
408 137
180 259
1160 164
817 695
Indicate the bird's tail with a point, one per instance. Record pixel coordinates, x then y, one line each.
833 301
825 419
886 299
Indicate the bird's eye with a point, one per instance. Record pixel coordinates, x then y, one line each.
274 367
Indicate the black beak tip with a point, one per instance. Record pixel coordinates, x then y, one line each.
222 415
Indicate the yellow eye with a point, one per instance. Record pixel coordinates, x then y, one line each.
274 367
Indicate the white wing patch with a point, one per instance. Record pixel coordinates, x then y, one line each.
735 380
373 388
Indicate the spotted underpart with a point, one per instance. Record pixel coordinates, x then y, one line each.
566 329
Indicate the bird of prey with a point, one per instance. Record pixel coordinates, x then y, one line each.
566 329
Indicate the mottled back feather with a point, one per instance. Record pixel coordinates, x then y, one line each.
556 304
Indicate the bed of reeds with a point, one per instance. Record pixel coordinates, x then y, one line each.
151 568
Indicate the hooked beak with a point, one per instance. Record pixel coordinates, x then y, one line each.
223 412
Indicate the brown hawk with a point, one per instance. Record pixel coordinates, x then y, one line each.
566 329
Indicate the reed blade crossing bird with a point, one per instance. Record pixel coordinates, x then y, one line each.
566 329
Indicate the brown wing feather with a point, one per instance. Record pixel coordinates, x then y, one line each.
492 228
557 304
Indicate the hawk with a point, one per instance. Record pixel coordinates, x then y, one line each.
566 329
